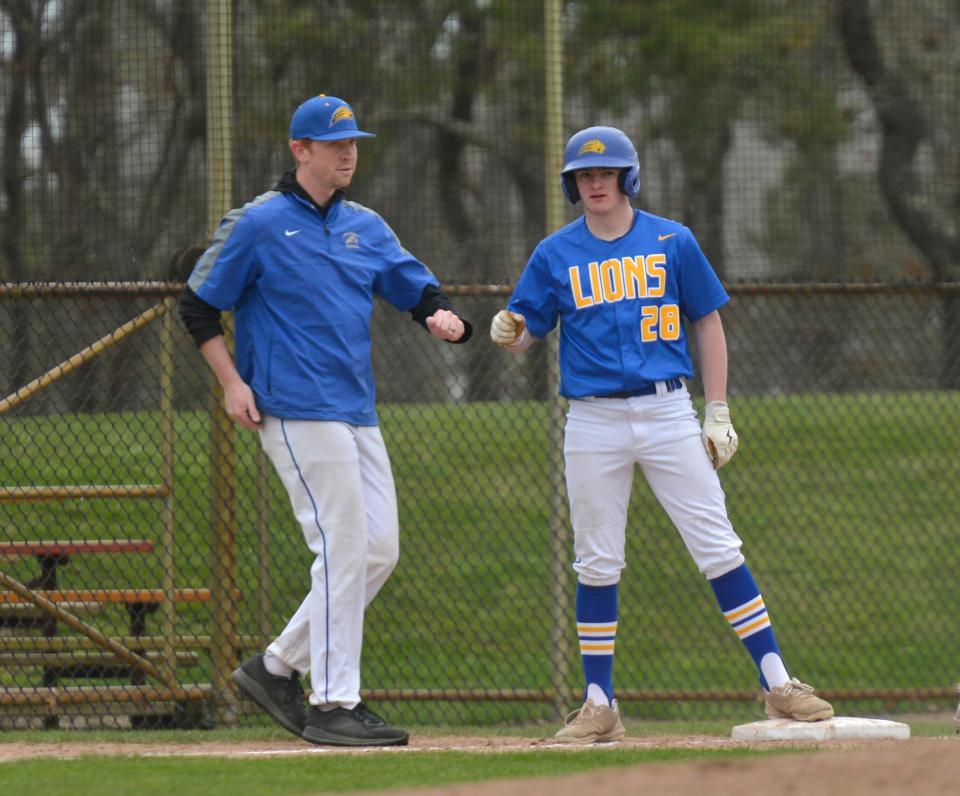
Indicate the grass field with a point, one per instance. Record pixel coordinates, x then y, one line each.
847 506
161 776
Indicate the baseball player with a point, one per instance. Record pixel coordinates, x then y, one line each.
300 266
622 282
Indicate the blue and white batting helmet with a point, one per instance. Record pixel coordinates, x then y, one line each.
324 118
598 147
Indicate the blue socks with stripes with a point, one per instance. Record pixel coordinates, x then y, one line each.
597 631
739 599
743 607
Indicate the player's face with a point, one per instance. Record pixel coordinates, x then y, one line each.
599 189
327 164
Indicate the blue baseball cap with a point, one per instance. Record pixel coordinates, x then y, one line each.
324 118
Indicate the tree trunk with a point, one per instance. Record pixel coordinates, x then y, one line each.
904 126
703 158
14 126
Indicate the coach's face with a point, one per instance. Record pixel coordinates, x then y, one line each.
599 189
325 166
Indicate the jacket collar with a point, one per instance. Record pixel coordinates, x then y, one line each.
288 184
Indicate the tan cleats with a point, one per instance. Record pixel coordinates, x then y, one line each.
796 700
592 724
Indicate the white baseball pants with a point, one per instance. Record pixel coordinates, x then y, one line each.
605 440
341 488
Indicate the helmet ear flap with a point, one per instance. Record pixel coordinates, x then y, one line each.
568 182
630 181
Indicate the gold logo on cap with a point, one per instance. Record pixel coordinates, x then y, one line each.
593 145
341 113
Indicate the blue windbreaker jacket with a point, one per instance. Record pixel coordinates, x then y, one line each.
302 287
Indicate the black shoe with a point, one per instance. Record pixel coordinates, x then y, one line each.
281 697
357 727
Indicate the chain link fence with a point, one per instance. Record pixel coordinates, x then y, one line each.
146 546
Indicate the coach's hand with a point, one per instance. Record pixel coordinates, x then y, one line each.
241 406
718 435
446 325
507 328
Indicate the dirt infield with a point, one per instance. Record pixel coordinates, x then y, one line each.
917 767
920 767
281 748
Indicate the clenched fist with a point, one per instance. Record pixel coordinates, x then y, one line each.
507 327
718 435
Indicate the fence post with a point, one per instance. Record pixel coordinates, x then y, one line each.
560 602
218 36
168 535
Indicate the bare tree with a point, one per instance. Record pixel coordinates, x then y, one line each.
22 18
905 126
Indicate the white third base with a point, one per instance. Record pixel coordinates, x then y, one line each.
839 728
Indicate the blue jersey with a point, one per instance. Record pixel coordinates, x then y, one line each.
621 304
302 288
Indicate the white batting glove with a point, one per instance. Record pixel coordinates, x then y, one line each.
507 328
718 435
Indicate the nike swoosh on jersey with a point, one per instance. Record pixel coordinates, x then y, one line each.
664 237
290 232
